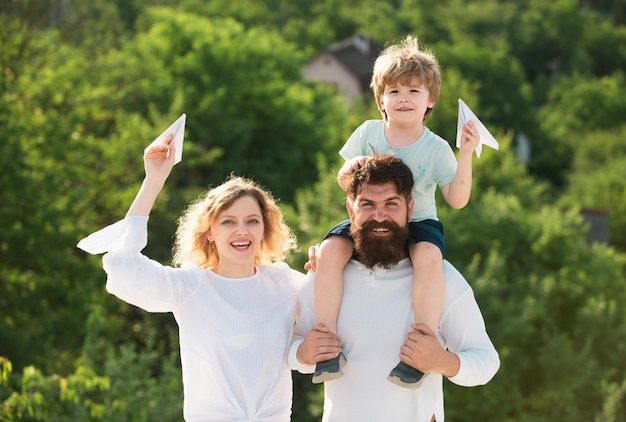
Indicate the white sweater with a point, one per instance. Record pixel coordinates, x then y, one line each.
234 333
374 319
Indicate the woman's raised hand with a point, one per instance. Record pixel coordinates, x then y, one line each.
159 158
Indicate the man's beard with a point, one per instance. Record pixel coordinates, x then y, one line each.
372 250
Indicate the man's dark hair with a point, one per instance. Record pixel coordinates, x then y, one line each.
381 169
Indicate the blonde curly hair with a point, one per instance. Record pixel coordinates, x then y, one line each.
191 243
402 62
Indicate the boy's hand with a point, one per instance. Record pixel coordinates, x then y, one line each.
350 167
354 164
470 138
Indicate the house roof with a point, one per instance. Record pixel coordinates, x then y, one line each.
357 54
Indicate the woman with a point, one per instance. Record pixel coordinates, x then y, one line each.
235 302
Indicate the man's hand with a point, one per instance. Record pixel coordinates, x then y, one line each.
311 264
422 350
319 344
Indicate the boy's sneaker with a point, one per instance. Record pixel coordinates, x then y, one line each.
406 376
329 370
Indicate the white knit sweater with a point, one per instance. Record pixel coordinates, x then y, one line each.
234 333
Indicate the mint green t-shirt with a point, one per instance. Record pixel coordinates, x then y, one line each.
430 158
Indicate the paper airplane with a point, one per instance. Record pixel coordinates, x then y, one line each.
466 115
178 129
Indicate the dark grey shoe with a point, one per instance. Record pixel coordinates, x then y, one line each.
406 376
329 370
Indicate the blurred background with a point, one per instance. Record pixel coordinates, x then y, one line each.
272 89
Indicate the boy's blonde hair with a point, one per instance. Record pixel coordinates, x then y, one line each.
194 225
399 63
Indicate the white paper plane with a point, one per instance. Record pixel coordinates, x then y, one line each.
466 115
178 129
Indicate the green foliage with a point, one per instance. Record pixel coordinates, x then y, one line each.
492 65
549 37
147 386
138 386
308 399
550 302
318 209
36 397
597 180
571 100
612 410
266 113
576 106
606 45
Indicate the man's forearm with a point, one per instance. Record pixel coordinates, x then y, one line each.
450 364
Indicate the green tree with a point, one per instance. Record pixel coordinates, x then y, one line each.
542 290
37 397
576 105
549 38
246 98
597 179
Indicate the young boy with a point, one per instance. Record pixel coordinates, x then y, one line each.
406 83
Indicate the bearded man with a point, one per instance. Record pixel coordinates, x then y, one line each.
376 315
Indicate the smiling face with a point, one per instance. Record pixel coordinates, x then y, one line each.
406 62
379 216
237 233
406 103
